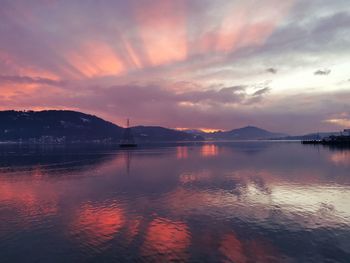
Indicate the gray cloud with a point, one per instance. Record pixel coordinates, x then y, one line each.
322 72
154 105
272 70
154 94
262 91
31 80
234 94
307 39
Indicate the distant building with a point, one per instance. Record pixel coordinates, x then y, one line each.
347 132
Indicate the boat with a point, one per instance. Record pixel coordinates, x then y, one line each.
128 140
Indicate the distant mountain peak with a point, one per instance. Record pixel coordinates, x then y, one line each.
249 127
246 133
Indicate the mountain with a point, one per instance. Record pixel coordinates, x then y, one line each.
156 133
245 133
196 132
60 126
193 131
55 126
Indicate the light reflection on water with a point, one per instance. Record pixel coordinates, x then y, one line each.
233 202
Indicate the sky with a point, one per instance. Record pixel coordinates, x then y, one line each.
224 64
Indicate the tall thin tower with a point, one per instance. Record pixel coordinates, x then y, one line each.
128 138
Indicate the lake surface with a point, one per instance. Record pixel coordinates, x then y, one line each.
224 202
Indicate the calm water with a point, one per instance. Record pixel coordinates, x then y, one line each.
236 202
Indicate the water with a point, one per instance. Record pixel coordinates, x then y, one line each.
232 202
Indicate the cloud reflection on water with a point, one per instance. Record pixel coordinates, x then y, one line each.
245 203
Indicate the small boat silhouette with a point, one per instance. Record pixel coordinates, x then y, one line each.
128 140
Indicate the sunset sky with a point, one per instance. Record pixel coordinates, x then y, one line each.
223 64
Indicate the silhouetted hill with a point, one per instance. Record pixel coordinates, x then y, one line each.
246 133
55 125
60 126
156 133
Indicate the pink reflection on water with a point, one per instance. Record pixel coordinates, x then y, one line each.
340 158
182 152
209 150
132 229
96 224
187 178
241 251
32 200
233 249
166 240
302 197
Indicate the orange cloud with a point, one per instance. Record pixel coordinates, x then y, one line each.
232 28
342 122
9 90
256 34
96 59
132 54
162 26
15 64
244 24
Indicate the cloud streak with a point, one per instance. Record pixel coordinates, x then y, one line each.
30 80
199 63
